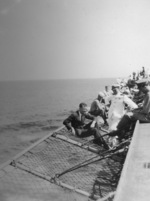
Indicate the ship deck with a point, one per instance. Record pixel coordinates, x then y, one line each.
134 183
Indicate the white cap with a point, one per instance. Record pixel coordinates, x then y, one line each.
101 94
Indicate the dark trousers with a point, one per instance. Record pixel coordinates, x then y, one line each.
132 117
87 131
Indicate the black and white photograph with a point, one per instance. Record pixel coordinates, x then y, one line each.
74 100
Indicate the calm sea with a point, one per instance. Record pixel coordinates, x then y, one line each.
31 109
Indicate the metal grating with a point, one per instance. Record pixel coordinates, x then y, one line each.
53 156
18 185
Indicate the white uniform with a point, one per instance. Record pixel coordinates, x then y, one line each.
117 109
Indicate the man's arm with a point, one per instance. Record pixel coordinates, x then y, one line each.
129 102
89 116
67 122
99 105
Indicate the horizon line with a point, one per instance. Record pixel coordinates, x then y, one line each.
49 79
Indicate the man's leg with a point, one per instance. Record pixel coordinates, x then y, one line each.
84 132
104 116
125 122
122 127
132 117
88 131
143 118
99 139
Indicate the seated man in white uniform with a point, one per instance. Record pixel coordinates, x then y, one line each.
118 102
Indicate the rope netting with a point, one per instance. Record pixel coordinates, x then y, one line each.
55 157
19 185
35 172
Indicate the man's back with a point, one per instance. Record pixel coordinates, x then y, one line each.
97 105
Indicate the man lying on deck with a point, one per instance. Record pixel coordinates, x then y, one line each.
142 113
76 124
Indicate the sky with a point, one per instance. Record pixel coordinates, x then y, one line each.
69 39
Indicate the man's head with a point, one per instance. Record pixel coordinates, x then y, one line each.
83 108
115 88
143 85
100 95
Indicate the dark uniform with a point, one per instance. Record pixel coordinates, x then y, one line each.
77 121
142 113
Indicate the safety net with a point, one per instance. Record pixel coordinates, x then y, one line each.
65 167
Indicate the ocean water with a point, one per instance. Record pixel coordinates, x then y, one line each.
31 109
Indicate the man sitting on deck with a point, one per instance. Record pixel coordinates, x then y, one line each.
142 113
76 124
98 107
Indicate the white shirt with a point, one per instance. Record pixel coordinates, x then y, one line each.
117 109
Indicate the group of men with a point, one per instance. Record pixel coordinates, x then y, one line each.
116 108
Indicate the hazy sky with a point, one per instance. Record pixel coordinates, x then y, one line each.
44 39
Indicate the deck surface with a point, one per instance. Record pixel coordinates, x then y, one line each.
135 178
